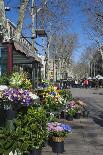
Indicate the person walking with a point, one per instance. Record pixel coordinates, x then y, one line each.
86 82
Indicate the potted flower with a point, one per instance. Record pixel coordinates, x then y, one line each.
17 100
78 111
58 132
70 113
70 110
20 80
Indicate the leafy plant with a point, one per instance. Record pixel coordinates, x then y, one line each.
32 130
7 141
4 79
71 111
51 104
20 80
66 94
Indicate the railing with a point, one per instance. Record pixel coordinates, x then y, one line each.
11 29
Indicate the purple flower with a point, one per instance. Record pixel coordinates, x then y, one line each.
17 95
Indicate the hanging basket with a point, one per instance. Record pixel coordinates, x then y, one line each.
58 139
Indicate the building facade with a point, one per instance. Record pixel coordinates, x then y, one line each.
19 55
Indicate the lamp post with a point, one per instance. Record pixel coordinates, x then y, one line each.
33 30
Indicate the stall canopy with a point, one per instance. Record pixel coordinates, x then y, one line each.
89 78
27 51
99 77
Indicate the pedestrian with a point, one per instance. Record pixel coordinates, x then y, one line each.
96 83
86 82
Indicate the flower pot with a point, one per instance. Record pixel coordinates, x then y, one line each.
25 153
50 141
58 144
69 117
35 152
10 116
85 114
77 115
2 117
62 115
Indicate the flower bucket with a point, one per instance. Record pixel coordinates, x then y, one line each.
50 141
62 115
85 114
10 116
2 117
35 152
77 115
69 117
58 144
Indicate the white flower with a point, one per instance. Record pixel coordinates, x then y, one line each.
3 87
33 96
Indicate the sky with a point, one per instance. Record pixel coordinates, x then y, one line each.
77 26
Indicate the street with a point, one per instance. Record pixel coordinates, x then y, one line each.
87 135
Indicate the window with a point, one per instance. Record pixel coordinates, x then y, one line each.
0 70
3 60
0 52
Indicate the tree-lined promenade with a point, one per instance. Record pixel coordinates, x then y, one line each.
87 135
51 77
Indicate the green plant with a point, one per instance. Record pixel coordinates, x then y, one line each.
32 130
30 133
71 111
4 79
20 80
51 105
66 94
7 141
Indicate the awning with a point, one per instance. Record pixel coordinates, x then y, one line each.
19 46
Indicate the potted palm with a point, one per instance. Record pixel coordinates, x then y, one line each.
58 132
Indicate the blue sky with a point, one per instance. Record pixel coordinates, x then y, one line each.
79 20
77 25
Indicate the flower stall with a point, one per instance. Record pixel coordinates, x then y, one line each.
25 127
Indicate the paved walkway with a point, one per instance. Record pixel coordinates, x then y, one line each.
87 135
